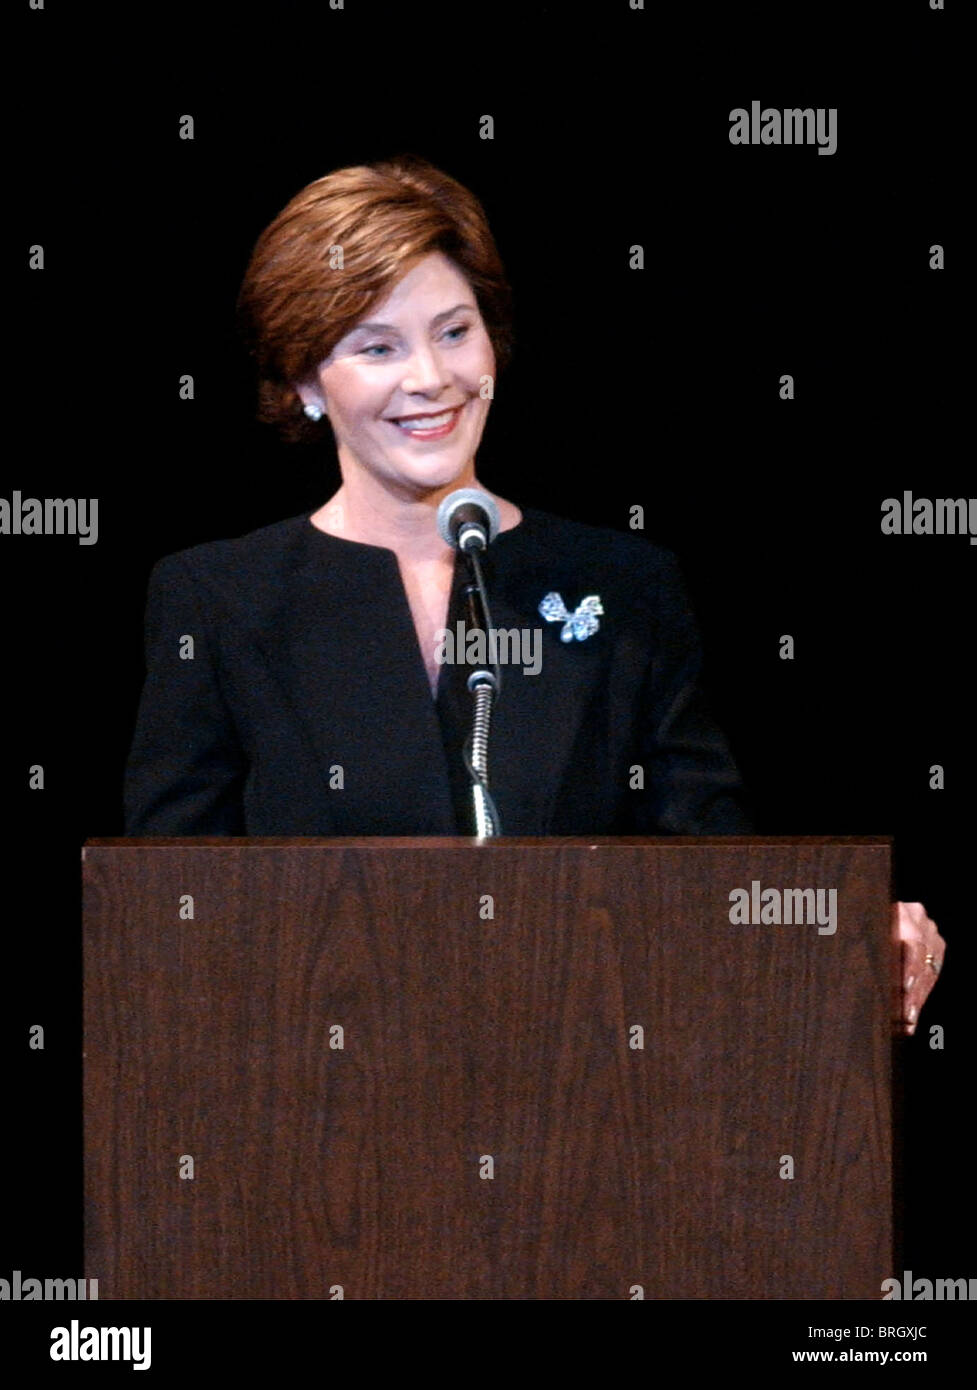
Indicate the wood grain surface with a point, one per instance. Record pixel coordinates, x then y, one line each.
361 1171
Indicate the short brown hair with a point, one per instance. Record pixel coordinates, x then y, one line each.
293 308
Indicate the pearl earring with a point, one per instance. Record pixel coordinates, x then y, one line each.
314 412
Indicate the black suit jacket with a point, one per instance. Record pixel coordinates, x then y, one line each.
306 707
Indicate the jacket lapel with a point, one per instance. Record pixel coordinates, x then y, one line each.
344 649
538 718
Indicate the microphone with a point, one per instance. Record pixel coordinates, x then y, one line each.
468 519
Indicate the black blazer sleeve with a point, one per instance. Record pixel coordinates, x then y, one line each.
694 786
186 766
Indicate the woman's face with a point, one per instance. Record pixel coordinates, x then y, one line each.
423 351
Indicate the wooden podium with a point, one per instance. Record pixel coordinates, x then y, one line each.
507 1069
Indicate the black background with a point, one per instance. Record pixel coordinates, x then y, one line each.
657 387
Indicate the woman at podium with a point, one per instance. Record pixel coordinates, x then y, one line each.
311 678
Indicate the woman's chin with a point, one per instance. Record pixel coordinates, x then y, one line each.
432 473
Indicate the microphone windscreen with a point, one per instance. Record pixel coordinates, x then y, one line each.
466 497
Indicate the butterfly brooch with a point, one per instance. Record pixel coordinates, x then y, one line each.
581 623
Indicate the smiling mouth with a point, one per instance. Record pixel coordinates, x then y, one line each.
433 424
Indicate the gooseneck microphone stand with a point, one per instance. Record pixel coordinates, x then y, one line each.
468 519
485 687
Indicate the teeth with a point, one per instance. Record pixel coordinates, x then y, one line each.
432 422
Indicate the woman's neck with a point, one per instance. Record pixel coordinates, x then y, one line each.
409 528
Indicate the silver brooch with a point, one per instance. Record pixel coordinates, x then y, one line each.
581 623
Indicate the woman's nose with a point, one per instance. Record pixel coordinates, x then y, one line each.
424 371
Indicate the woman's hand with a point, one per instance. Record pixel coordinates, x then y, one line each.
921 951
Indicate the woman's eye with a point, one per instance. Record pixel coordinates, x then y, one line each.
383 348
